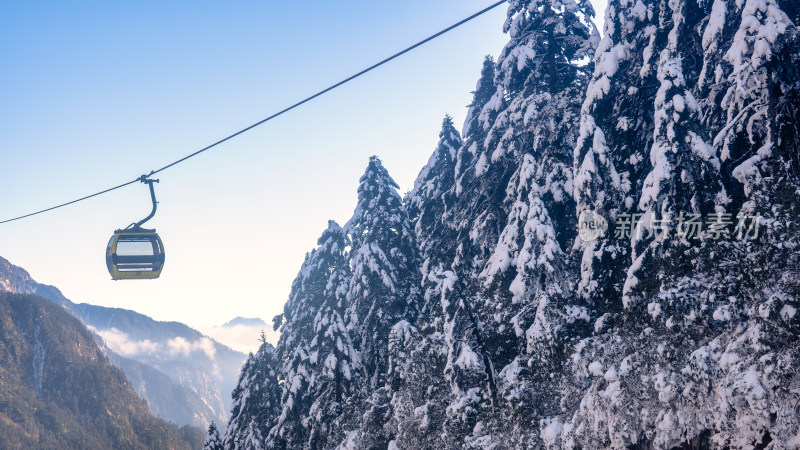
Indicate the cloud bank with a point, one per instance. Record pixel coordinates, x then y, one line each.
119 342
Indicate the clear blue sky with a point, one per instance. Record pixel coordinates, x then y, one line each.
96 93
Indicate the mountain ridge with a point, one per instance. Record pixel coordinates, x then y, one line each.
205 398
57 389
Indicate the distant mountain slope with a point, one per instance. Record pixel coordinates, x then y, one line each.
250 322
202 371
189 358
58 390
177 403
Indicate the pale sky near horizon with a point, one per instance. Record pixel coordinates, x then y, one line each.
96 93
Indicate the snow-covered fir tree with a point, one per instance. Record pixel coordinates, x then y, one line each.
684 180
480 115
470 376
256 400
213 440
507 266
385 266
383 289
616 124
431 185
321 366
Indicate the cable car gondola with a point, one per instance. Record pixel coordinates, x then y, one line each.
136 253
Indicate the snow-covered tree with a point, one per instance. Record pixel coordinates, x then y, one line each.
512 173
528 153
213 440
256 400
545 67
530 316
616 123
384 260
452 318
337 364
684 179
431 185
320 361
480 116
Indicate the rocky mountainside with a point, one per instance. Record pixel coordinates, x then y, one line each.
185 376
194 361
606 256
58 390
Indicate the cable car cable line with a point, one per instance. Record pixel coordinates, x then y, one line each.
279 113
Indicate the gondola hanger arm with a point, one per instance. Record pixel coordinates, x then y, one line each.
149 182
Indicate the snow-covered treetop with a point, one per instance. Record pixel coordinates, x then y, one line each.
433 181
307 294
550 42
213 440
484 90
436 177
378 201
544 66
328 254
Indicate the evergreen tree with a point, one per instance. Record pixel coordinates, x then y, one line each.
384 260
544 68
431 185
256 400
320 361
684 179
213 440
383 290
616 123
530 318
527 153
480 116
470 379
512 173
